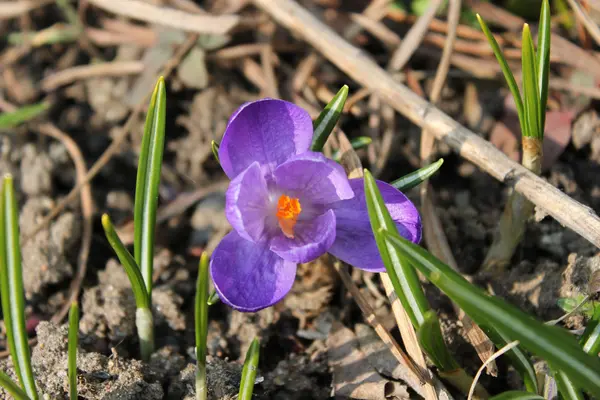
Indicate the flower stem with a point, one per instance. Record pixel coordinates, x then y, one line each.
145 323
516 213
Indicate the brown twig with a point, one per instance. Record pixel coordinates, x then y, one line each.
415 372
413 38
85 195
117 142
80 72
364 70
585 20
16 9
353 167
196 23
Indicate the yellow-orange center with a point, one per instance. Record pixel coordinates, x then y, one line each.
288 210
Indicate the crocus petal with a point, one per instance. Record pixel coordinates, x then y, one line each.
312 238
247 203
354 240
268 131
248 276
314 178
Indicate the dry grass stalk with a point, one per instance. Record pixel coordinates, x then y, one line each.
196 23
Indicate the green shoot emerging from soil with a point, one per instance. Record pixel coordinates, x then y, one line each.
139 268
531 110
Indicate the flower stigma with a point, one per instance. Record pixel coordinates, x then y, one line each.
288 210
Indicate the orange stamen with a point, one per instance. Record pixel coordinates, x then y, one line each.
288 210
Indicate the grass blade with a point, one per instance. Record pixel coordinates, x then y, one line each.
72 350
126 259
201 327
324 124
213 298
543 58
508 75
148 179
214 146
408 288
21 115
517 395
567 389
430 339
530 85
12 388
417 177
357 143
553 344
11 288
249 371
404 278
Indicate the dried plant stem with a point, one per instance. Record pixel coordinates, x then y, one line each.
145 326
517 212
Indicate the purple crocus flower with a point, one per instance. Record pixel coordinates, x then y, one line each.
289 205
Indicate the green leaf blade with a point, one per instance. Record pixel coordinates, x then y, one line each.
12 119
147 183
201 326
508 75
517 395
403 277
249 371
72 350
214 146
12 388
131 268
530 85
417 177
11 289
324 124
432 342
549 342
543 58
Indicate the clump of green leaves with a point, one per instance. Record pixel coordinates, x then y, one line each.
139 268
502 322
531 109
13 305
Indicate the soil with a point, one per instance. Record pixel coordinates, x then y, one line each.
311 341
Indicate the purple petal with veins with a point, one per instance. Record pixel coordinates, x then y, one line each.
289 205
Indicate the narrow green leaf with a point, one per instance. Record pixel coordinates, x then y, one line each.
543 58
12 388
201 326
590 340
432 342
148 180
72 350
214 146
517 395
404 278
11 288
508 75
553 344
566 387
213 298
324 124
357 143
21 115
518 358
249 371
128 262
417 177
530 86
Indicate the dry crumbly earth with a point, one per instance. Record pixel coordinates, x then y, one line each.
313 343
